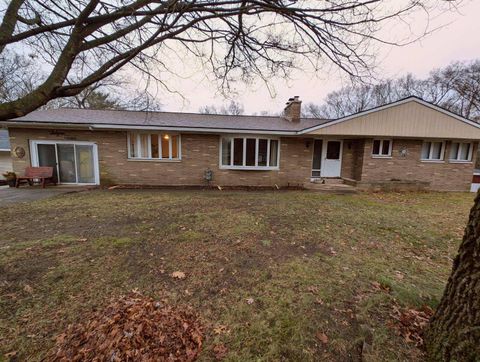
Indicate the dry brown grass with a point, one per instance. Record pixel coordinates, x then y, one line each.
268 272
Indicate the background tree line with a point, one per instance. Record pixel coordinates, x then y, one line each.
455 87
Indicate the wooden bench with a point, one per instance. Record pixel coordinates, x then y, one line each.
44 174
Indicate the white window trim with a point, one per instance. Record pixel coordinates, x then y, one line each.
149 150
381 147
457 160
244 167
442 152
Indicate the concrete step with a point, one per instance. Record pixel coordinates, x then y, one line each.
332 188
328 181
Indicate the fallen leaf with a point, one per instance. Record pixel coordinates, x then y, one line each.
250 300
221 329
28 289
220 351
322 337
411 323
132 328
178 275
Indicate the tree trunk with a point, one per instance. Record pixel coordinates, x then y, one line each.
454 331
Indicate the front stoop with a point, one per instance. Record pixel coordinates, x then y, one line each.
331 186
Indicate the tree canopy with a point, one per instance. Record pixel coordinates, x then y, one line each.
82 42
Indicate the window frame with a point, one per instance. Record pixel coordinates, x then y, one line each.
442 152
160 135
231 166
457 160
390 147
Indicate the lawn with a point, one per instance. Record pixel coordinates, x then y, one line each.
294 276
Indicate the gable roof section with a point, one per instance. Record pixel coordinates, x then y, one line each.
108 119
409 117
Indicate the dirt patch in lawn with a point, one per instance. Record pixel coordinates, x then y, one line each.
272 275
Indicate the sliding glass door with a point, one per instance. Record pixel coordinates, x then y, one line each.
47 156
73 162
85 162
66 163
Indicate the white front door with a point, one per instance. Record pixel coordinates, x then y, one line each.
332 158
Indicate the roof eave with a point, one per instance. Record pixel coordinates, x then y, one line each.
27 124
195 129
93 126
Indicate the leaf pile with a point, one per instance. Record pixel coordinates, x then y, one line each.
132 328
411 323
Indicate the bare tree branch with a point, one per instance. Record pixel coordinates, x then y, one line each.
83 42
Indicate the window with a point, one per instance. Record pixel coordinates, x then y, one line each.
153 146
226 151
273 153
433 151
238 151
461 151
249 153
262 152
333 150
382 148
317 158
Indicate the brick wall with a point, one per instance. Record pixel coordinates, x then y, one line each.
352 158
443 176
199 152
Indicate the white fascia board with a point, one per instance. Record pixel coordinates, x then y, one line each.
45 125
386 106
145 128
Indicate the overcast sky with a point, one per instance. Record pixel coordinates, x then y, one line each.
458 39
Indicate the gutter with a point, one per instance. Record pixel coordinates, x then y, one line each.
45 125
195 129
93 127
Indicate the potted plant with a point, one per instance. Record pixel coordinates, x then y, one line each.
11 178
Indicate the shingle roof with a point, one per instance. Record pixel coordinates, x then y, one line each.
4 140
167 119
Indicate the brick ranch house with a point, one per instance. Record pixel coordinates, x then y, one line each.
408 142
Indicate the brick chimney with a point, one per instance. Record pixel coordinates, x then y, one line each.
293 109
